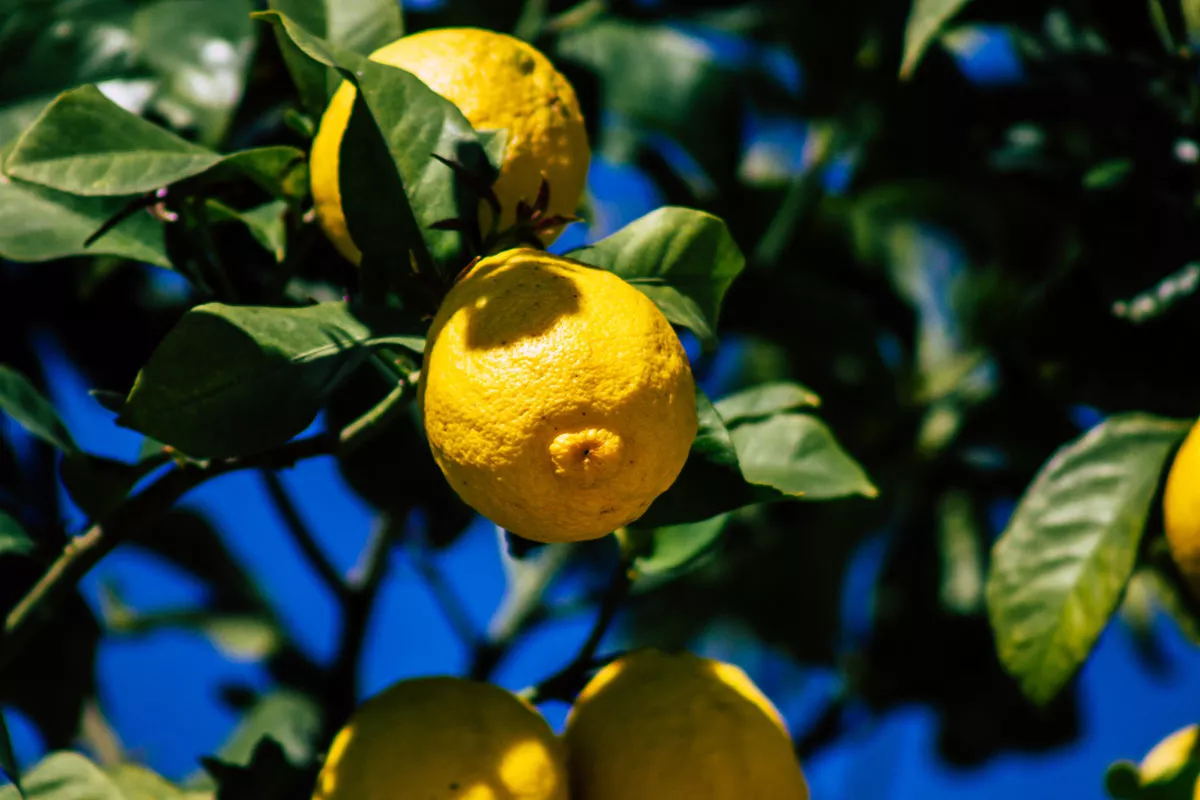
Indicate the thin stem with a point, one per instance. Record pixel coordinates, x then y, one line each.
302 534
447 598
565 682
370 423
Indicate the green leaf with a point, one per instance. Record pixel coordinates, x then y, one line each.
798 455
764 400
416 123
280 170
266 223
26 406
99 485
670 549
926 22
684 260
201 49
290 718
65 775
231 380
711 481
1059 568
361 26
139 783
86 144
40 224
13 539
8 759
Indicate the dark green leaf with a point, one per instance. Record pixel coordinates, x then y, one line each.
670 549
1107 174
280 170
684 260
764 400
1059 568
40 224
265 223
8 759
99 485
86 144
202 49
13 539
416 123
25 404
798 455
230 380
268 776
66 776
711 482
926 22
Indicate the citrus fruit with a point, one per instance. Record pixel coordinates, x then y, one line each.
1181 508
445 738
499 83
557 399
652 725
1170 771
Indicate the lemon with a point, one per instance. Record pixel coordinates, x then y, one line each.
445 738
499 83
653 725
1181 508
556 397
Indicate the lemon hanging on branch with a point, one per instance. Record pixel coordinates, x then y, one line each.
557 398
653 725
499 83
1181 509
448 738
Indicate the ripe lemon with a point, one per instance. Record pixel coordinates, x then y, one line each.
1168 772
557 399
652 725
499 83
1181 508
448 738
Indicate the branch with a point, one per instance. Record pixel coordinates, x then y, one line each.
137 512
302 534
446 597
565 683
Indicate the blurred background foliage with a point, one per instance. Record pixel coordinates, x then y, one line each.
972 245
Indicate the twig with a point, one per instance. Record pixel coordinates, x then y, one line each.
85 551
363 587
447 598
302 534
564 683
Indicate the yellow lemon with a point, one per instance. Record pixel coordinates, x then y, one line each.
1181 508
653 725
499 83
556 397
445 738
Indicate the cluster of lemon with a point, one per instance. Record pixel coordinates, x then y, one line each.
648 726
557 399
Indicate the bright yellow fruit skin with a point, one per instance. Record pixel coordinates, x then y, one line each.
446 739
557 399
1171 770
499 83
1181 509
653 725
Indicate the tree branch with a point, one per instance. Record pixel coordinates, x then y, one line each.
446 597
302 535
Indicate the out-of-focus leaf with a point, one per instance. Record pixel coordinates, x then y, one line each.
139 783
265 223
1059 568
682 259
798 455
926 21
201 49
671 549
269 775
26 406
66 776
8 759
86 144
765 400
290 718
230 380
13 538
40 224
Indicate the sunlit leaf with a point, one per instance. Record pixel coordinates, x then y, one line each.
764 400
229 380
797 454
926 21
1059 568
65 775
682 259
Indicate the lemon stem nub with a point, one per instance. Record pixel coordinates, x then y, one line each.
587 456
